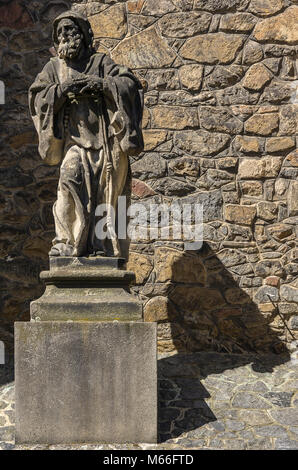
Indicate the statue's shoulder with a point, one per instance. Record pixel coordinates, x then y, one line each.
52 64
98 57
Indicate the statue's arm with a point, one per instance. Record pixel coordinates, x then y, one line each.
124 96
44 102
44 94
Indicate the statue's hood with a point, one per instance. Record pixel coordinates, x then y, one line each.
81 21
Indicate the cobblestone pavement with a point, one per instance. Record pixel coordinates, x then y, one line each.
208 401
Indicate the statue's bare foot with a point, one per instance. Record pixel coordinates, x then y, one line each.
62 249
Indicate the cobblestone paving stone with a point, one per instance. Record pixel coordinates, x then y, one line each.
207 401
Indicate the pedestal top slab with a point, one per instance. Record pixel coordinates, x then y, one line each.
96 262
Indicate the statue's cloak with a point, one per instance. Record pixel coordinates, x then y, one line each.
123 100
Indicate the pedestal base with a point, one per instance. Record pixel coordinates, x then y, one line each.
85 382
87 289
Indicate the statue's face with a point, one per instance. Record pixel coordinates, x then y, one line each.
70 39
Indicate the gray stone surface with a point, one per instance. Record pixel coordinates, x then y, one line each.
210 422
88 289
85 382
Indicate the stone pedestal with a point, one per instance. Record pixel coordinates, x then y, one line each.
85 382
89 289
85 366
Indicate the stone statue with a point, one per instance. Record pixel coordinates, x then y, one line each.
87 111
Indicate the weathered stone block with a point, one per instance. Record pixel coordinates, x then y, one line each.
146 49
222 77
191 76
135 6
240 22
216 6
252 53
150 166
240 214
173 187
213 179
259 168
174 117
266 294
279 144
293 198
247 144
262 124
256 77
281 28
201 143
166 79
175 265
141 265
267 210
187 166
110 23
80 382
278 92
289 293
86 289
141 189
219 119
252 188
153 138
184 24
159 309
212 48
292 158
152 7
288 120
265 7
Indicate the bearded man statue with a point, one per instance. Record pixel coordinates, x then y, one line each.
87 111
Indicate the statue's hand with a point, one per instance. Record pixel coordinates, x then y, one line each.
73 87
93 86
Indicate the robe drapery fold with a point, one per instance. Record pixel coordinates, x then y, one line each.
76 133
123 98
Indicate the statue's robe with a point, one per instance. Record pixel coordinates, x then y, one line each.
73 133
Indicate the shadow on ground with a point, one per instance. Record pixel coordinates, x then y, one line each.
182 396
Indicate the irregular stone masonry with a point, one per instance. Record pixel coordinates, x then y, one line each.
207 401
220 129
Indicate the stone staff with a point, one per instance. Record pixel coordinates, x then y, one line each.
109 179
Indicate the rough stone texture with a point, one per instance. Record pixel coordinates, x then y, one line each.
176 117
191 76
282 28
110 23
95 373
262 124
241 22
240 214
206 401
256 125
144 50
259 168
87 289
256 77
212 48
265 7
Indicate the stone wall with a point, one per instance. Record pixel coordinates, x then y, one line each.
219 126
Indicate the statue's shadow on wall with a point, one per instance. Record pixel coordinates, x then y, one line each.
239 332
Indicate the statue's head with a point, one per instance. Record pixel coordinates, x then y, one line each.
72 35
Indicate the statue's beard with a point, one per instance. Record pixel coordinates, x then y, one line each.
70 48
